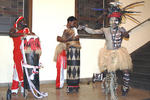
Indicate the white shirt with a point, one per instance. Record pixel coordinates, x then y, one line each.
61 30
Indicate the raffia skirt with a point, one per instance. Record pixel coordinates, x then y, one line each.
59 48
112 60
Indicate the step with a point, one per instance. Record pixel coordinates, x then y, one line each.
140 74
137 77
140 85
141 60
141 50
141 68
141 64
142 53
145 80
147 57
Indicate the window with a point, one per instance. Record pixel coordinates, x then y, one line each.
10 10
87 16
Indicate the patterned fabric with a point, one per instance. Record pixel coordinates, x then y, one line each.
117 40
73 66
32 43
32 59
126 79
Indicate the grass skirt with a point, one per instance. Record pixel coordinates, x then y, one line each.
59 48
112 60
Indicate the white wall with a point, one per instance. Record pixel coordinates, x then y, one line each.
140 35
48 15
6 59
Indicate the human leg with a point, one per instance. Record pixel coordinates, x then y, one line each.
126 79
15 83
17 73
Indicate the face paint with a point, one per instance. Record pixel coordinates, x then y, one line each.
73 24
114 22
21 24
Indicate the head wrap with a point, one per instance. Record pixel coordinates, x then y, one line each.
115 14
17 21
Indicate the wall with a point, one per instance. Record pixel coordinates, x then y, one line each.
48 16
140 35
6 59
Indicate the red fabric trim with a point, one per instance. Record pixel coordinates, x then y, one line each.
73 86
20 18
62 58
15 85
115 14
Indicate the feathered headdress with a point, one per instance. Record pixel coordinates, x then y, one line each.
116 11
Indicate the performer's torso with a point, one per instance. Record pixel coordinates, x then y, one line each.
113 38
17 41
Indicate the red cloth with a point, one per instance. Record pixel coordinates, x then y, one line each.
17 55
62 58
115 14
61 62
33 43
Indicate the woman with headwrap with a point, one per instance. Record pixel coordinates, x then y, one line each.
16 33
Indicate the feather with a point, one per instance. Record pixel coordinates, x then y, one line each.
132 18
131 5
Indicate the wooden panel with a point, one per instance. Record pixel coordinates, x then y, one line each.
10 10
87 16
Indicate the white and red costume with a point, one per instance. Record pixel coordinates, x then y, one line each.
17 56
61 64
61 60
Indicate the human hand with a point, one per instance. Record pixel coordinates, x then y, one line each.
26 31
81 27
77 38
31 33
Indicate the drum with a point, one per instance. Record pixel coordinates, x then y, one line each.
73 68
31 51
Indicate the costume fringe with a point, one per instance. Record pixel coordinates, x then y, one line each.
58 50
28 50
74 44
112 60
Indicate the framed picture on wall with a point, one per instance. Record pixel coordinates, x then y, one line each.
86 15
9 12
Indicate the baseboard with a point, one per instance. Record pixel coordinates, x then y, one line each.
82 80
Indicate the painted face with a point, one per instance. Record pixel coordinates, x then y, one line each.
73 24
22 24
114 22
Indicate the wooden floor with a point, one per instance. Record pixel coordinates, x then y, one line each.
90 91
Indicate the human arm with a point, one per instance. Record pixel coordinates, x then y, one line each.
90 30
124 32
76 38
27 31
61 39
12 33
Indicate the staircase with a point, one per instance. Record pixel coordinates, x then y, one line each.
140 76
